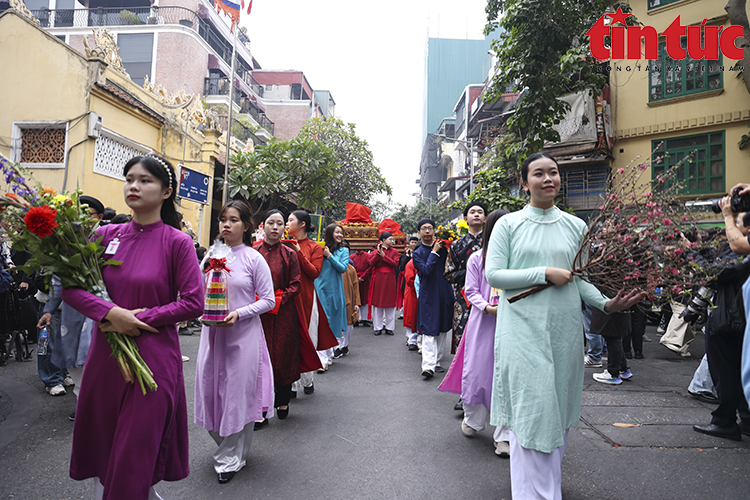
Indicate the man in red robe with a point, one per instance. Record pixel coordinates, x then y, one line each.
384 261
361 261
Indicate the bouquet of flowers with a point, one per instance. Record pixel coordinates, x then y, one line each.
462 228
447 234
56 230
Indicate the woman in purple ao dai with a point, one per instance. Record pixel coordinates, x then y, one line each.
234 384
127 440
470 374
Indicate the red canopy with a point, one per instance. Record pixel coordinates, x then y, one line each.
357 214
389 225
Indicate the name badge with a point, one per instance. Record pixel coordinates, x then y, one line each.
112 247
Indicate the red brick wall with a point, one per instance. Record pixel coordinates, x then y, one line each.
287 119
181 63
76 41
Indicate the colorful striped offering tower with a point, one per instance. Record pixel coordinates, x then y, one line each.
216 306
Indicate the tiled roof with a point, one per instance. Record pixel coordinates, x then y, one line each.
126 96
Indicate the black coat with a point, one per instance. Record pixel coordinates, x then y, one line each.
610 325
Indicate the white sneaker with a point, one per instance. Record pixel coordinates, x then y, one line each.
502 449
467 429
185 358
57 390
68 382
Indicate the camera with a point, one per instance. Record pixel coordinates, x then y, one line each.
696 311
737 202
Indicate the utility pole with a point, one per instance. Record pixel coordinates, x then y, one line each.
225 194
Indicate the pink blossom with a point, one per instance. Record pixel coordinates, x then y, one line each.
675 272
661 180
678 251
629 261
628 277
677 289
632 196
633 219
684 217
617 209
667 221
601 208
622 171
648 214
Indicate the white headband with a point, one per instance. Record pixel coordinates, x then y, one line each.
163 164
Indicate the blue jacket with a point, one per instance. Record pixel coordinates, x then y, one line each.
435 310
329 287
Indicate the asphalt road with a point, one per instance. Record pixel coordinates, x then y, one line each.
375 429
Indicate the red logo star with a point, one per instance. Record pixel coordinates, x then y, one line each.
619 17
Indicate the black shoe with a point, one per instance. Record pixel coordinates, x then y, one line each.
388 332
628 355
292 394
413 347
72 417
259 425
345 351
638 355
705 397
225 477
337 353
730 432
459 406
282 414
185 331
428 373
745 428
379 332
310 390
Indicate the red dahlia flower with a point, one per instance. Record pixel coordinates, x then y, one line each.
41 220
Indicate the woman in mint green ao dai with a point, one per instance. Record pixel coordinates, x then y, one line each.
538 375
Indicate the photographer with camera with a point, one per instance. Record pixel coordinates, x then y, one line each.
741 245
726 322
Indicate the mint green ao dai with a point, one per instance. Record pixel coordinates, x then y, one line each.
538 376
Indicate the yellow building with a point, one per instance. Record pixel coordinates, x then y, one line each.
76 120
682 106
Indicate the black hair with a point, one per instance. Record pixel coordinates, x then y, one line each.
384 235
332 244
272 212
201 252
746 219
162 170
346 244
474 204
303 216
121 219
109 213
413 238
245 216
488 227
531 159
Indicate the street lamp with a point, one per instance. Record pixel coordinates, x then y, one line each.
470 151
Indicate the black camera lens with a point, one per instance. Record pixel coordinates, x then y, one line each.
740 203
715 208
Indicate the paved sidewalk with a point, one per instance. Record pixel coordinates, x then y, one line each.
375 429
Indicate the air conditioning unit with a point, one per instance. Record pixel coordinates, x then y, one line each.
95 125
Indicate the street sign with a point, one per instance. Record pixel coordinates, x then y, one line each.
193 185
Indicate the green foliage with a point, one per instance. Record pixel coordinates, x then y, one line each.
504 153
129 17
492 191
357 180
543 52
744 140
409 216
283 174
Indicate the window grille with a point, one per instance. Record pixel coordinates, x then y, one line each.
703 173
111 155
42 145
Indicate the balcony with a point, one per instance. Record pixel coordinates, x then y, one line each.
135 16
220 86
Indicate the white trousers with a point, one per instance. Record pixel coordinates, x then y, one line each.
326 356
345 336
476 418
306 379
77 375
432 350
152 494
362 312
411 338
233 449
535 475
383 318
